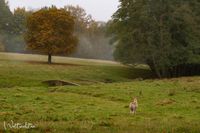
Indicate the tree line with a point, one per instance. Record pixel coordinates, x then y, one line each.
13 26
164 34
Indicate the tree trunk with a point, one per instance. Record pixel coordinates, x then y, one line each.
155 68
49 59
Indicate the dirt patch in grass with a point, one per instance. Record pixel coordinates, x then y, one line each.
59 83
166 102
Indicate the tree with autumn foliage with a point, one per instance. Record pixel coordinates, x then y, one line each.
51 31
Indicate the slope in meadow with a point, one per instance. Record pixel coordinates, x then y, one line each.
32 70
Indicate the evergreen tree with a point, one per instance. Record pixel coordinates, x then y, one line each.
5 17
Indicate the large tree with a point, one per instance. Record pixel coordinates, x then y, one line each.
165 34
51 31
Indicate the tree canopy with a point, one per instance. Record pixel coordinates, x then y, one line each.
164 34
82 19
51 31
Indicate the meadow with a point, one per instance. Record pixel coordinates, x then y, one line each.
100 102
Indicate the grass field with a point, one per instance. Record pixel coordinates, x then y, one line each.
100 103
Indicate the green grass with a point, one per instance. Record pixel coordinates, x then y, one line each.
27 71
165 106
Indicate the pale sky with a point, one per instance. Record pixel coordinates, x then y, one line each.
101 10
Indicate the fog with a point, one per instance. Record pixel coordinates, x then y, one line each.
97 47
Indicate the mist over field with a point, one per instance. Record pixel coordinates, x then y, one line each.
94 47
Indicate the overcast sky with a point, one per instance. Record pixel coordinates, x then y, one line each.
100 10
